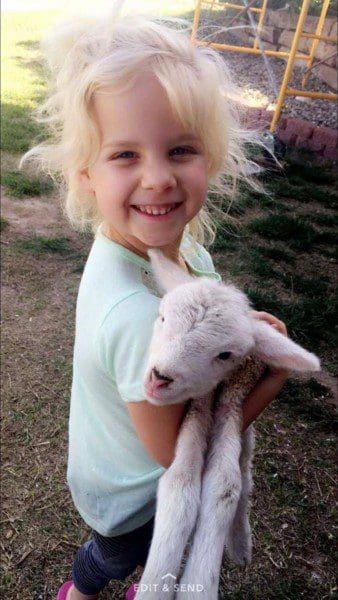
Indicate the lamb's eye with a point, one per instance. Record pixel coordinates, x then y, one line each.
224 355
161 318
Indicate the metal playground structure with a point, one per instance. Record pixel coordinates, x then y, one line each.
258 47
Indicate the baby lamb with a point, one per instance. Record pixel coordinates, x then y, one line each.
205 340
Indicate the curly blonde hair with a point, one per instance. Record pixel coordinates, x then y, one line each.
86 54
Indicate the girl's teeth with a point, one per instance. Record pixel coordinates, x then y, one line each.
155 211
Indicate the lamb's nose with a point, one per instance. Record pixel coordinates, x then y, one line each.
158 380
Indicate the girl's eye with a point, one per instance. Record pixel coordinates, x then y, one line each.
127 154
224 355
182 151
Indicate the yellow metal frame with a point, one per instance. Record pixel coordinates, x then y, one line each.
284 90
291 56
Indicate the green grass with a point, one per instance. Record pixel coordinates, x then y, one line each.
296 231
23 79
3 223
302 190
310 320
272 254
276 253
41 245
304 402
327 237
19 185
324 220
307 286
299 172
331 253
253 261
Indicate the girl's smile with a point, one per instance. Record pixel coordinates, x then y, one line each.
158 212
149 176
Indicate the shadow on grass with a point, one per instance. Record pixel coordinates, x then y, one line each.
304 401
310 320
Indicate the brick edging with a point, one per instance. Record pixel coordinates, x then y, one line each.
296 132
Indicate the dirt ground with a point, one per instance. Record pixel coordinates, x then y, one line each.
41 529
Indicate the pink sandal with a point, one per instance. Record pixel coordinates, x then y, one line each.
62 593
131 592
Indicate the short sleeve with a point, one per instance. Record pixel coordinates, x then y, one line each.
123 343
198 258
206 259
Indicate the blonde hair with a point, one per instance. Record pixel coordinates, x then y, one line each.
91 53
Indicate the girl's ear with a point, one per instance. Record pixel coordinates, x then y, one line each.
167 274
277 350
84 180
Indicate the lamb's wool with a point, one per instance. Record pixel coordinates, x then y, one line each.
206 341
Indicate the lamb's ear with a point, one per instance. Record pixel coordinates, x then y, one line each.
167 274
277 350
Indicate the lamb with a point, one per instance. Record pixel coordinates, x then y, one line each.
208 349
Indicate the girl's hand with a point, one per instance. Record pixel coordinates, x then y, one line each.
270 383
280 326
273 321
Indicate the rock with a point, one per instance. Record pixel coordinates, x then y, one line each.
329 75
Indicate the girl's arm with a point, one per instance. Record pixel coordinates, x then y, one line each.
157 428
269 385
263 393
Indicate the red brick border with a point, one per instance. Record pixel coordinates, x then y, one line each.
296 132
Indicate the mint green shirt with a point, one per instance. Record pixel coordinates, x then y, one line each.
112 478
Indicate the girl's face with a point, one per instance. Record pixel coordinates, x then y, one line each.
148 163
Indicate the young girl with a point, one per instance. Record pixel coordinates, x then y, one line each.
143 127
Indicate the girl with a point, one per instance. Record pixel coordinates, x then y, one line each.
143 127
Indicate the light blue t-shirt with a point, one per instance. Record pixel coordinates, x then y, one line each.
112 478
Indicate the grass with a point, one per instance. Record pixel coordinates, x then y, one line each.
303 402
309 320
23 80
40 245
299 171
273 253
19 185
3 223
276 253
297 232
325 219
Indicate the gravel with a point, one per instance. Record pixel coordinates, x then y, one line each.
250 75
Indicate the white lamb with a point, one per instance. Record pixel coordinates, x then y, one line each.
201 343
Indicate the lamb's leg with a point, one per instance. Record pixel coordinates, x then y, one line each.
178 500
239 544
221 487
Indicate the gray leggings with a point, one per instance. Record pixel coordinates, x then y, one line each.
104 558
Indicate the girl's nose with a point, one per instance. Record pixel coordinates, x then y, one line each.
158 177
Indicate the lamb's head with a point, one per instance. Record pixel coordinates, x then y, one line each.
203 332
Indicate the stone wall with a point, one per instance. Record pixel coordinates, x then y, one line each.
277 34
323 141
